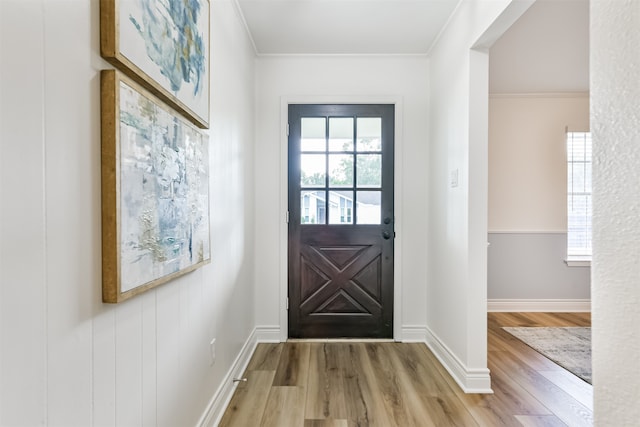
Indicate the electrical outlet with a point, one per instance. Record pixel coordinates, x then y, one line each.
212 350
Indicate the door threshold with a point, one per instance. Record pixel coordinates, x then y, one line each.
351 340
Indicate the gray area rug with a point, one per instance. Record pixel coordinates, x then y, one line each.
569 347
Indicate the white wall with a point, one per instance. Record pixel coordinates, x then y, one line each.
545 51
615 120
67 359
457 288
340 79
528 199
527 159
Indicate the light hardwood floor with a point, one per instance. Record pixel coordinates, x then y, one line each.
320 384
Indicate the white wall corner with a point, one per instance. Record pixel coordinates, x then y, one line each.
413 333
539 305
220 400
469 380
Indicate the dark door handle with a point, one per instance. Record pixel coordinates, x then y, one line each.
387 220
386 235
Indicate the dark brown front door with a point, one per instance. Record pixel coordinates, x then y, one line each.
341 221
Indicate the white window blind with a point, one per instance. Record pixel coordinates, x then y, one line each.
579 195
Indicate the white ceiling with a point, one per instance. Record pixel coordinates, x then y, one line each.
546 50
345 26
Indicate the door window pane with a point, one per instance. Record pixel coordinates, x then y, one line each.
313 207
369 134
313 170
340 170
369 171
340 207
369 207
341 134
313 134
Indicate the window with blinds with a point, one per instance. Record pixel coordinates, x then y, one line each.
579 195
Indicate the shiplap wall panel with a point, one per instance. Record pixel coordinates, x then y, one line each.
23 295
149 362
66 358
71 212
104 368
168 355
129 363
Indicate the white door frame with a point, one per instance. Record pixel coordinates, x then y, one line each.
397 191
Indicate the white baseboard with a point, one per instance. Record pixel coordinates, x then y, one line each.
413 333
539 305
268 334
222 397
470 380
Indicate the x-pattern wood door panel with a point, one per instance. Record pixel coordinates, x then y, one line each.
351 288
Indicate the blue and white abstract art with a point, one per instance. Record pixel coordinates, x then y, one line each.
168 40
163 192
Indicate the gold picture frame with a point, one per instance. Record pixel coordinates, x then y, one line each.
155 191
165 49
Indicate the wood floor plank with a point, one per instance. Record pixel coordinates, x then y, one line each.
572 385
540 421
326 423
325 389
284 408
249 400
363 401
410 358
525 353
480 409
495 341
500 319
265 357
573 397
515 319
437 398
565 407
398 390
293 367
516 399
542 319
499 408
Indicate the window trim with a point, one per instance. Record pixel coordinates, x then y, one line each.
576 259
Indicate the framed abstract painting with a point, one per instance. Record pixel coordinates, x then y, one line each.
155 191
163 45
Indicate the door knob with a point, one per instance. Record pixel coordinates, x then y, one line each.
386 235
387 220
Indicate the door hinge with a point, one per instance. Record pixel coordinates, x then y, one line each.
287 303
287 129
287 217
